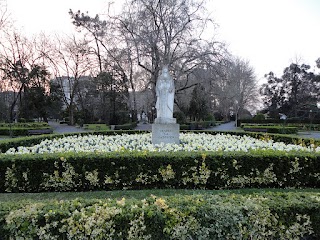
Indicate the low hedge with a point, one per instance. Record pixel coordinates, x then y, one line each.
271 129
277 121
203 216
128 126
18 131
25 125
142 170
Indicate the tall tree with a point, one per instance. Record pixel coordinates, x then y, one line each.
235 87
199 104
19 61
4 15
112 49
149 34
36 96
273 95
168 33
71 62
294 93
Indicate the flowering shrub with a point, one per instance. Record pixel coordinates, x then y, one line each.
224 216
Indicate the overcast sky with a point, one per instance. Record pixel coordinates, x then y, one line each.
270 34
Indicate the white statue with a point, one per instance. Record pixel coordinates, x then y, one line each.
165 97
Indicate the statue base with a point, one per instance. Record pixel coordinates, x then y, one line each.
161 120
165 133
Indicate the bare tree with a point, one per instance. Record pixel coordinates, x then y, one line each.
237 89
168 33
4 15
70 60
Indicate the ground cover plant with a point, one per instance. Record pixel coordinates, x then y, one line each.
202 161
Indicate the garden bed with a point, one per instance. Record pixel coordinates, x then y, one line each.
109 161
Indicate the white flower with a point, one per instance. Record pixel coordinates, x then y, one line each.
142 142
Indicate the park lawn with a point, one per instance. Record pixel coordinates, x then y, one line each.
139 194
96 127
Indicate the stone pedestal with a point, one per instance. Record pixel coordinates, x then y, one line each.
165 133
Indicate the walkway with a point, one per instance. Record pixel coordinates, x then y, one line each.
229 126
64 128
144 127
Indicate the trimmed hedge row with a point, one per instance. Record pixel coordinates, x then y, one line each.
224 216
271 129
278 121
142 170
18 131
25 125
128 126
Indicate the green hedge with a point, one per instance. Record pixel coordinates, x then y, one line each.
141 170
128 126
21 129
18 131
25 125
271 129
223 216
277 121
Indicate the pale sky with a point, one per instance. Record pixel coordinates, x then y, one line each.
270 34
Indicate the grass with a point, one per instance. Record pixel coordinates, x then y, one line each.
96 127
135 194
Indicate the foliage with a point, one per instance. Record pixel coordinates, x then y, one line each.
113 91
199 216
180 116
199 104
294 94
36 101
259 117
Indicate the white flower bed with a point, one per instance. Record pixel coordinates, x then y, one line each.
142 142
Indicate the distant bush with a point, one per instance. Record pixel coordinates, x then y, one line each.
180 116
210 118
259 117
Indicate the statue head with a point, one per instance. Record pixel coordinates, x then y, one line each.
165 72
